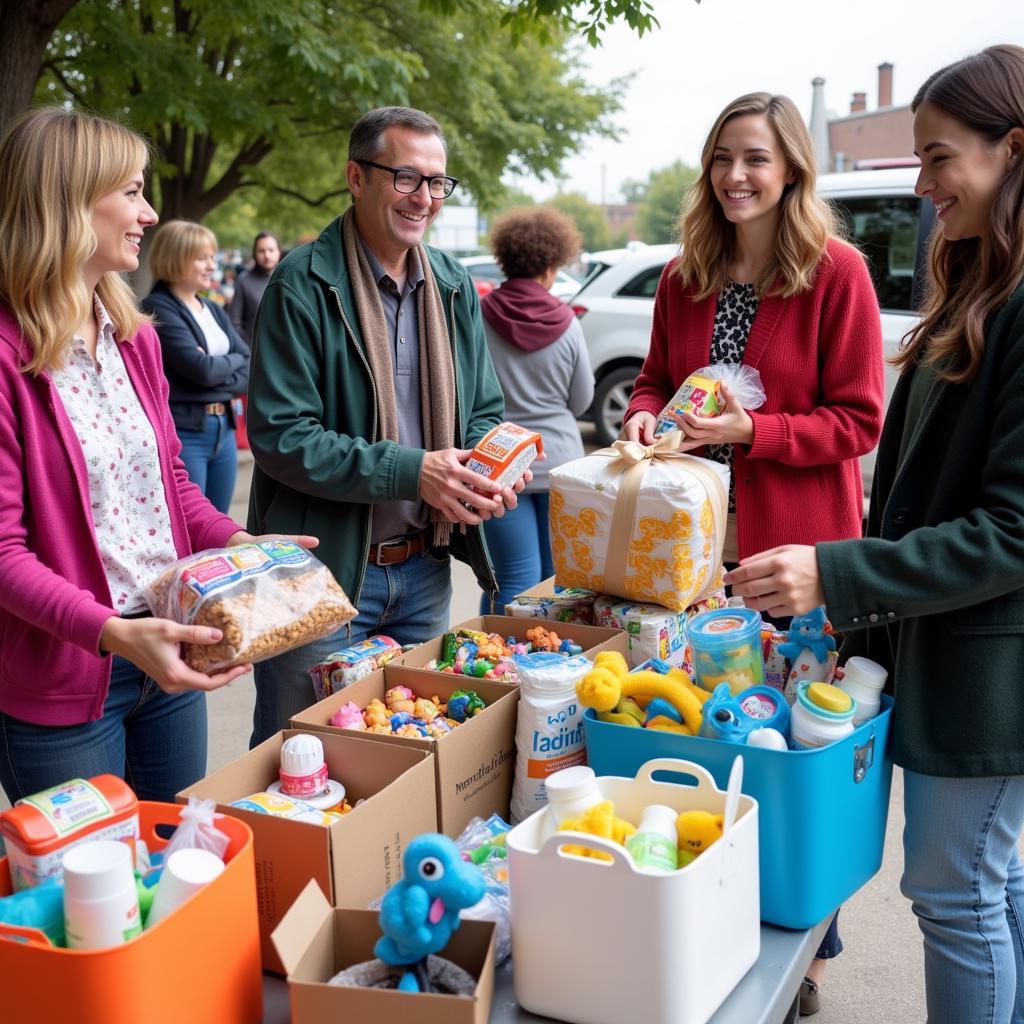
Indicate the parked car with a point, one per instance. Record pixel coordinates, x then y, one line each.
487 275
882 216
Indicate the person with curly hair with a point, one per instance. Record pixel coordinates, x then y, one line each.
540 356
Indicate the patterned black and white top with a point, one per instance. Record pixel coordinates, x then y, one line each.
737 304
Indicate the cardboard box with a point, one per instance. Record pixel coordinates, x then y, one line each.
591 638
474 764
354 860
315 942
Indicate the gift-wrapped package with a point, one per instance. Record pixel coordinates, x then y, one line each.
644 523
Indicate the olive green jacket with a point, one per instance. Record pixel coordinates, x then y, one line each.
312 415
939 583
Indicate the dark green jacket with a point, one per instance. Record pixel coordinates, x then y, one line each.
939 583
312 414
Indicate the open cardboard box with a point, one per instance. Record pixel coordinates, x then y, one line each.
474 764
354 860
314 942
591 638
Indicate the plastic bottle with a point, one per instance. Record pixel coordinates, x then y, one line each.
571 791
864 680
303 774
101 903
821 715
655 844
185 873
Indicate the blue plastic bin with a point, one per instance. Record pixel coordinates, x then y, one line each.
822 812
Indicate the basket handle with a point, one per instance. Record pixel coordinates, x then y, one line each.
26 936
677 766
621 860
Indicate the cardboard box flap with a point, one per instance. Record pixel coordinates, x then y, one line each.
303 917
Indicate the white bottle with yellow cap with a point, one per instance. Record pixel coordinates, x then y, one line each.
820 715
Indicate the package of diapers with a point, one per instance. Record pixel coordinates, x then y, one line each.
559 604
642 523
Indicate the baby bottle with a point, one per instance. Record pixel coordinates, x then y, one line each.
303 774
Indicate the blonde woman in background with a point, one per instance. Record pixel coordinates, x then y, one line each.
94 501
763 280
205 358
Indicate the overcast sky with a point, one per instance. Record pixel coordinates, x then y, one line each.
705 55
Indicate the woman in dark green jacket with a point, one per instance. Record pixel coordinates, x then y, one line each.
936 590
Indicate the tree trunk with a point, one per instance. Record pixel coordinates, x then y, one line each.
25 29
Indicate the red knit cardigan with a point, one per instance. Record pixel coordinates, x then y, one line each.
819 354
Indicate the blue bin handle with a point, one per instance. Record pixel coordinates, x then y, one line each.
863 758
676 765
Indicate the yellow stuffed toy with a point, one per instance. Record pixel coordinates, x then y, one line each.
610 680
598 820
697 831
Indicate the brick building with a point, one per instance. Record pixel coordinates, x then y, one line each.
862 134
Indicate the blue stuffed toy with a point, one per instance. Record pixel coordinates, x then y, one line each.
419 913
808 631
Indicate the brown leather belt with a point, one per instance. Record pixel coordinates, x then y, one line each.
394 552
215 409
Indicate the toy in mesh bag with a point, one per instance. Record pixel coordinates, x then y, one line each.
701 393
266 597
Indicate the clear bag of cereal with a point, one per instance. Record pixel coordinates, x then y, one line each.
266 597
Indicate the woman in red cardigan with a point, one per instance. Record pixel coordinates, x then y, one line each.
763 280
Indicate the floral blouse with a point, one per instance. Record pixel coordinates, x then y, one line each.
126 491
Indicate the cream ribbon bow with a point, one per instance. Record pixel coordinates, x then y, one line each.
633 460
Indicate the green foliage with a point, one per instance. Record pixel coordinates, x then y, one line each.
253 100
658 201
589 217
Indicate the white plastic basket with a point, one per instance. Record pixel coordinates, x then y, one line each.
606 943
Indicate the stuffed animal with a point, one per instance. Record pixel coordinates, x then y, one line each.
420 912
610 680
598 820
697 831
809 646
349 716
375 714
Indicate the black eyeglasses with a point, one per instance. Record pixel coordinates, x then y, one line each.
439 186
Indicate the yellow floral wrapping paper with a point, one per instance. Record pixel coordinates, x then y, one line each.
674 537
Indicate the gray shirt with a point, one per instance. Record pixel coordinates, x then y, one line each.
546 390
249 289
395 518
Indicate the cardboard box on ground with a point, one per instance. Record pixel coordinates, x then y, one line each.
315 941
355 859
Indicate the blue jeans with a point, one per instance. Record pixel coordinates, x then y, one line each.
409 602
211 458
153 740
966 883
520 548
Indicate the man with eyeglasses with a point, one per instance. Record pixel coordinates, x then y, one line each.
370 384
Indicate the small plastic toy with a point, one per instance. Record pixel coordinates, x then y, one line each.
463 704
697 831
349 716
420 912
734 718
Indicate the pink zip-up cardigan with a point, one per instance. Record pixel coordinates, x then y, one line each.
54 599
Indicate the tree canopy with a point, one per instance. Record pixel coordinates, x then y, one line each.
658 201
590 219
253 100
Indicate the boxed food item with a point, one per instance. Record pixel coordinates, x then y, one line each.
344 667
701 393
643 523
354 859
41 828
315 942
505 453
548 601
266 597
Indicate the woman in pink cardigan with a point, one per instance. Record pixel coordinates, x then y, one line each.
94 501
763 280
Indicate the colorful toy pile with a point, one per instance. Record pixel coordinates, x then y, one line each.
470 652
402 713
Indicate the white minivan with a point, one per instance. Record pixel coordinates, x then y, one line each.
882 217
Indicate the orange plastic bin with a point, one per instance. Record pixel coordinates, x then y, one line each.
200 965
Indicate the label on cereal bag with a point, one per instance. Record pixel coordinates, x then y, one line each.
223 570
70 806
